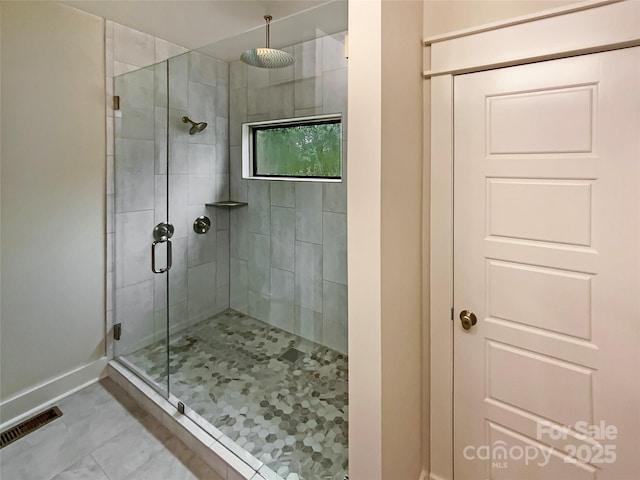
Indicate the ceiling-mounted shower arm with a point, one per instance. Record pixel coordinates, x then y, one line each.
268 18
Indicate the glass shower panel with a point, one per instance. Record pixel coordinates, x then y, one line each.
142 227
197 114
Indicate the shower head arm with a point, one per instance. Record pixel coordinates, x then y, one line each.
268 19
195 127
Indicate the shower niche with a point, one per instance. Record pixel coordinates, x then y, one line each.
241 318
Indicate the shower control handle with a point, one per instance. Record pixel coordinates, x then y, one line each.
153 256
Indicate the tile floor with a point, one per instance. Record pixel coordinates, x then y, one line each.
102 435
279 396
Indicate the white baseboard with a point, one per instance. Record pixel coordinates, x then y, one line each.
34 399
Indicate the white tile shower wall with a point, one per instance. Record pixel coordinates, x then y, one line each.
288 247
137 180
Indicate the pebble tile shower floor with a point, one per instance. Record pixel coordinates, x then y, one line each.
289 408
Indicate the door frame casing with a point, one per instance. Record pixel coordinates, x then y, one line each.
549 35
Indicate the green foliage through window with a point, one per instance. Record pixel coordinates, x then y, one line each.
312 149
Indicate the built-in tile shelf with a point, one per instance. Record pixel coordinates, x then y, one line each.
227 204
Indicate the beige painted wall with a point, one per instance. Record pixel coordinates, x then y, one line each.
384 215
444 16
364 239
401 240
53 190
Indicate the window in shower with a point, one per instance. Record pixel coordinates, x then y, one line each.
306 148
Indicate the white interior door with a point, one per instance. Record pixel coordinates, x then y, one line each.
547 256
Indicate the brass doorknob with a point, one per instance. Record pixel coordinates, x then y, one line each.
468 319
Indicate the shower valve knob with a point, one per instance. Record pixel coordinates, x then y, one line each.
201 225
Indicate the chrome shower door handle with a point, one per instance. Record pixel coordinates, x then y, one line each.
153 256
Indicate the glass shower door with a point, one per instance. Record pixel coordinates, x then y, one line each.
143 230
171 248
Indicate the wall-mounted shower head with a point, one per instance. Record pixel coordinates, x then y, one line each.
195 127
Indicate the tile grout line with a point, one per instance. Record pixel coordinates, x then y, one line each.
98 464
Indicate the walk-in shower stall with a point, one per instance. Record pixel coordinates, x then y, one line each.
230 291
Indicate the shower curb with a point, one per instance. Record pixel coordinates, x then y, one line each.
205 446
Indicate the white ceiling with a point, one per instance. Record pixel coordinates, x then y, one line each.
225 27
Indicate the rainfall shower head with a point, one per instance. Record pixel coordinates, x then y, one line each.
195 127
267 57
